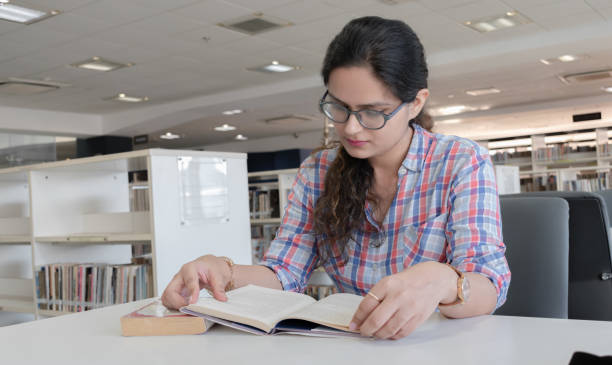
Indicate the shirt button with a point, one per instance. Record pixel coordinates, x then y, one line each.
402 170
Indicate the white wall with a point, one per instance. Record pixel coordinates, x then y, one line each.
49 122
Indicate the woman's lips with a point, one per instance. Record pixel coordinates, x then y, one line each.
354 142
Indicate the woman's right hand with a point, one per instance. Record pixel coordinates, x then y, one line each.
206 272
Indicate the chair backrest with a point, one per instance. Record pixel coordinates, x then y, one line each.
590 255
536 235
607 197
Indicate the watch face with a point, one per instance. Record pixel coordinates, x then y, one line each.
465 289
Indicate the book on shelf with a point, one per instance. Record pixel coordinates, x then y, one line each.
154 319
266 311
78 287
264 203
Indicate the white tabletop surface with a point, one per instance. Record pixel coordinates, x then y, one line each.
94 337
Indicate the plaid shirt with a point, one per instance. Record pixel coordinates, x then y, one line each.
446 209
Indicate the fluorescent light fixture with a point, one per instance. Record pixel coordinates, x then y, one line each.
546 62
20 14
225 128
449 121
607 89
128 99
169 135
502 21
100 64
240 137
450 110
275 67
485 91
232 112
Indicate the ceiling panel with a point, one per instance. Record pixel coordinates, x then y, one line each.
561 9
303 11
115 12
213 11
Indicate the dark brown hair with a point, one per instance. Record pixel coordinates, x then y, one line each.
394 53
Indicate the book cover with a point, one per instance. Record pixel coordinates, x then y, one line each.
154 319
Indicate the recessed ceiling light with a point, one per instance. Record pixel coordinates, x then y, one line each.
225 128
100 64
169 135
607 89
563 58
485 91
20 14
274 66
567 58
492 23
240 137
232 112
128 99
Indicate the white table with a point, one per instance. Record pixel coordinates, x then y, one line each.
94 338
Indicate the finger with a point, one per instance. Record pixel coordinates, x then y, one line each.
192 284
367 305
172 297
409 327
378 317
217 286
394 325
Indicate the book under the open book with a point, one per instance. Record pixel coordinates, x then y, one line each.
267 311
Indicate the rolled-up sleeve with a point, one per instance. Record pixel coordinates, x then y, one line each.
292 255
474 233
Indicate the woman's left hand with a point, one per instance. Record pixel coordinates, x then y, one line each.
407 299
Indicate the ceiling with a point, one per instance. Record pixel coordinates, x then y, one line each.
190 81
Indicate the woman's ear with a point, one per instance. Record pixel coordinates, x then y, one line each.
418 103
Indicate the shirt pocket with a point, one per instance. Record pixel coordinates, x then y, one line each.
425 241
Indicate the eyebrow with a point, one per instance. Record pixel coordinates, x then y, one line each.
362 106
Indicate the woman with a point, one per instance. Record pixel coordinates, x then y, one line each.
408 218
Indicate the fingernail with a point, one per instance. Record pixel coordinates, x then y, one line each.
353 326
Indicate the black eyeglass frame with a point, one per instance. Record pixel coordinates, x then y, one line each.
386 117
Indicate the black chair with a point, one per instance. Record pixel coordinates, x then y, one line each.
537 244
590 254
607 197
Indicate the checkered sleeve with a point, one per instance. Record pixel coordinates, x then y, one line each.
474 224
292 254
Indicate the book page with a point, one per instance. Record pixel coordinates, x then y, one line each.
254 305
334 311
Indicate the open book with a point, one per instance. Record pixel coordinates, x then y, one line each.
269 311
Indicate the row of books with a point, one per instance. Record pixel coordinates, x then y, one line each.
320 291
605 149
589 183
261 236
559 151
78 287
264 203
506 156
539 183
139 197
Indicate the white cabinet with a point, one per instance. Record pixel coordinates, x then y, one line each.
82 212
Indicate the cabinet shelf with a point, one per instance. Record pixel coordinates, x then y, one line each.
266 221
52 313
96 238
10 303
14 240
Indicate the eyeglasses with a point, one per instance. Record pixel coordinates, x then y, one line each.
369 119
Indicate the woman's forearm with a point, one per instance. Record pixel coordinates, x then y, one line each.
255 274
482 298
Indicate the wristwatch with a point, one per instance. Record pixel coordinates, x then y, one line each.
463 289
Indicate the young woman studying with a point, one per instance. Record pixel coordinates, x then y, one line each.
403 216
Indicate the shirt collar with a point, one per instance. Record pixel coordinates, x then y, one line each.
415 158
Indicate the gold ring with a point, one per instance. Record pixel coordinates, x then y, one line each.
374 296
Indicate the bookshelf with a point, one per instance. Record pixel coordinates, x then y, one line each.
266 216
85 233
565 161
